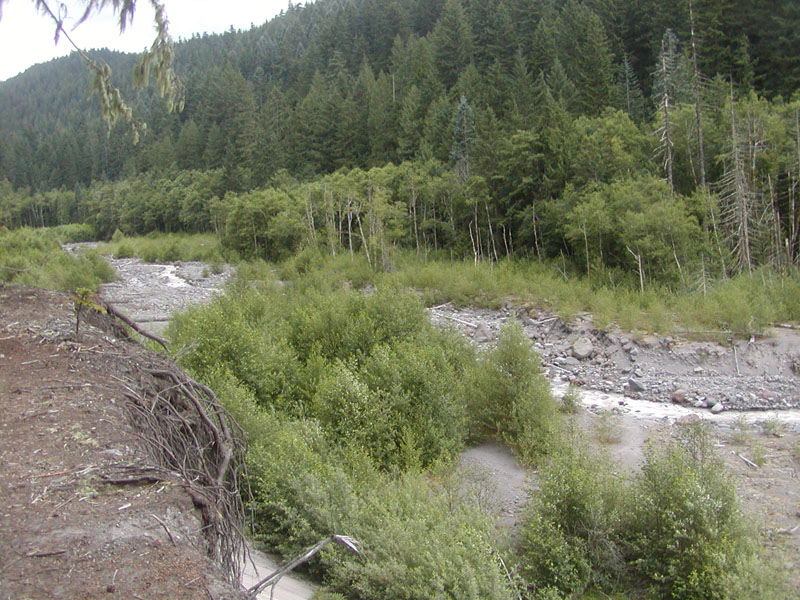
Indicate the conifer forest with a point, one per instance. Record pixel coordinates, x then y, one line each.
655 142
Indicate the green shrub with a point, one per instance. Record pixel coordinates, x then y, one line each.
34 257
510 398
415 544
674 530
685 536
169 247
571 401
370 368
75 232
570 536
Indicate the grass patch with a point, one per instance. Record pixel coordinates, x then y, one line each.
170 247
34 257
742 305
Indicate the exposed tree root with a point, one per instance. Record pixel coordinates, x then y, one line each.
191 435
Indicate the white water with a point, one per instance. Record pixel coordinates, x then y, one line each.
669 412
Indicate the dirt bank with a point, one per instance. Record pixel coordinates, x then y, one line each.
85 513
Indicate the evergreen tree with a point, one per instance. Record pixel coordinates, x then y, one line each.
452 42
588 60
463 138
190 146
437 132
412 114
629 93
382 121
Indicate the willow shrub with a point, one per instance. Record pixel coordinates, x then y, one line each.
674 530
509 398
416 542
685 535
569 542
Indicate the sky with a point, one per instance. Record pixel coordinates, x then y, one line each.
26 37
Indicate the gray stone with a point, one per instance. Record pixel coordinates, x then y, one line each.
700 404
482 334
679 396
717 408
571 361
635 385
582 348
687 419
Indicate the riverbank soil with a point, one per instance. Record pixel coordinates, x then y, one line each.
83 512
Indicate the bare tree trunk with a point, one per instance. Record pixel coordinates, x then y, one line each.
363 239
586 246
310 219
350 225
474 248
638 258
491 231
414 211
697 100
775 216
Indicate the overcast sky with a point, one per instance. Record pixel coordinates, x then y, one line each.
26 37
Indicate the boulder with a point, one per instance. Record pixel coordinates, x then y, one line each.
687 419
679 396
635 385
482 334
582 348
717 408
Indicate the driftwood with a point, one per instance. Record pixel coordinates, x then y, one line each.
132 324
164 525
462 321
273 578
746 461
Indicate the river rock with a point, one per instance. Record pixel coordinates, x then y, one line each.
687 419
635 385
482 334
679 396
582 348
717 408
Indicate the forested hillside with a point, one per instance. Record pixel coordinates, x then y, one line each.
644 140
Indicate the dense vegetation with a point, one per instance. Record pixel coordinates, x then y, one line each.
34 257
603 133
355 406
